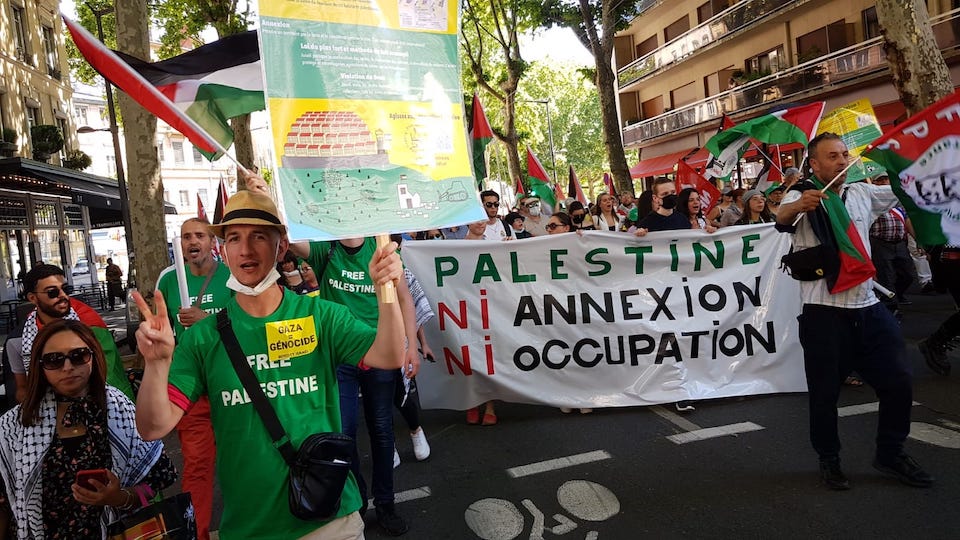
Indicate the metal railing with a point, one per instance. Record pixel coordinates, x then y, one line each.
832 69
727 22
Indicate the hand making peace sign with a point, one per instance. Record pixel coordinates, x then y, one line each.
154 336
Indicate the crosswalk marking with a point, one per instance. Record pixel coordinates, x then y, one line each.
713 432
557 463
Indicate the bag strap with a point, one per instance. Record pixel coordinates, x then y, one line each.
203 289
323 266
269 416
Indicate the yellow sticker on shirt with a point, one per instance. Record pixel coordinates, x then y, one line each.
291 338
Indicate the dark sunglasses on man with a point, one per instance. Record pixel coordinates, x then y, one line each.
77 357
489 204
54 292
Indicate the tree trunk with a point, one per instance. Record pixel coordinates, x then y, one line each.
610 120
920 74
144 185
510 139
242 141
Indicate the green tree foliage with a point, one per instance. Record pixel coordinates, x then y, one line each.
595 23
79 68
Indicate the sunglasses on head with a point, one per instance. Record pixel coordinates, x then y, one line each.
491 204
54 292
77 357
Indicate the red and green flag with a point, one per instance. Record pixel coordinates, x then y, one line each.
855 265
480 137
792 125
539 181
195 93
574 191
921 156
688 177
608 183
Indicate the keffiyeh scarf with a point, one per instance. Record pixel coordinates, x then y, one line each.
30 330
23 449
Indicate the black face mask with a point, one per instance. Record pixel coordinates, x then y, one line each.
669 202
577 219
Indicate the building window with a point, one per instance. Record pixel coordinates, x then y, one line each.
676 28
160 151
177 147
202 195
766 63
33 115
20 32
50 50
647 46
166 196
80 114
824 40
871 26
62 124
184 198
197 156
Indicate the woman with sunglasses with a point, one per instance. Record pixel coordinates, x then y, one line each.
72 421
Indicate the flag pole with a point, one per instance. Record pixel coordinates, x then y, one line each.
768 158
826 187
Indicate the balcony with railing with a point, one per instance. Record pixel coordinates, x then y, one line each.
732 20
834 69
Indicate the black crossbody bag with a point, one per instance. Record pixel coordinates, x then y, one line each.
318 470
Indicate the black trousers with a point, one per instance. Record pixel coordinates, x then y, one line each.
895 269
838 340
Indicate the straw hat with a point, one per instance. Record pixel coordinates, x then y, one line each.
249 208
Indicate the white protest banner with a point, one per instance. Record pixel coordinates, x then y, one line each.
608 319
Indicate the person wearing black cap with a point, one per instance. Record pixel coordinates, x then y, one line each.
514 224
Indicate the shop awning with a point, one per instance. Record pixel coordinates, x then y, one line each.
889 112
654 166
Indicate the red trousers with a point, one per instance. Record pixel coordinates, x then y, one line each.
199 462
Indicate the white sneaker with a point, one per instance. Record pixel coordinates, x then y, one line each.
421 448
396 458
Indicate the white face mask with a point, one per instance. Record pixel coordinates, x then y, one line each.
534 210
269 281
291 274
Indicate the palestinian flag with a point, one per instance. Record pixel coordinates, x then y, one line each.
212 83
771 175
574 191
160 101
480 137
519 190
793 125
611 189
713 167
539 181
920 154
855 265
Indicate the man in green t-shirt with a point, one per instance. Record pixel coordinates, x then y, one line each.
208 293
294 344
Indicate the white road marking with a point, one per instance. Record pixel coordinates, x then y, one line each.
863 408
949 424
588 501
494 519
936 435
713 432
557 463
674 418
408 495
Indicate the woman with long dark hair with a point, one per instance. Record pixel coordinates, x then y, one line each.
71 421
755 209
688 205
605 218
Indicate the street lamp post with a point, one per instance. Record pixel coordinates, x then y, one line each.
121 177
553 156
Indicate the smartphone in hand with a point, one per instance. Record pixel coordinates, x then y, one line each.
85 476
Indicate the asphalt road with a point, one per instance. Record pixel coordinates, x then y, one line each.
649 473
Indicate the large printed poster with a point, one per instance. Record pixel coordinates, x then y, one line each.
366 114
857 126
606 319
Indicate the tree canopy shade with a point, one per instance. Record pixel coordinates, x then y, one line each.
595 23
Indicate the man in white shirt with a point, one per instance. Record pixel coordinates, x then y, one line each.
491 205
849 330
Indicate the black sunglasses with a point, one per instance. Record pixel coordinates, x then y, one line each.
435 237
552 226
491 204
77 357
54 292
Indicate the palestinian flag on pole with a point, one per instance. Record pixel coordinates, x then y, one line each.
212 83
772 173
119 73
921 156
539 181
793 125
713 167
519 190
480 137
574 191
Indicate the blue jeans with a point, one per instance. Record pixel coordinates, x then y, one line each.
377 386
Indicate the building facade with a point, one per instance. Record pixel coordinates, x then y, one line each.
684 64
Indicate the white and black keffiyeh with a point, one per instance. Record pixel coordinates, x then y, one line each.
23 449
30 330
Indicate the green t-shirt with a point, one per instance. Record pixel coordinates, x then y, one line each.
346 278
116 375
215 296
294 353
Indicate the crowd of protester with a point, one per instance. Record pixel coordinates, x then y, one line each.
73 410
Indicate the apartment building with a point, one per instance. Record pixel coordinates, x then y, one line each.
683 64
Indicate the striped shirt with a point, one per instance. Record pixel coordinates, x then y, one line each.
865 202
